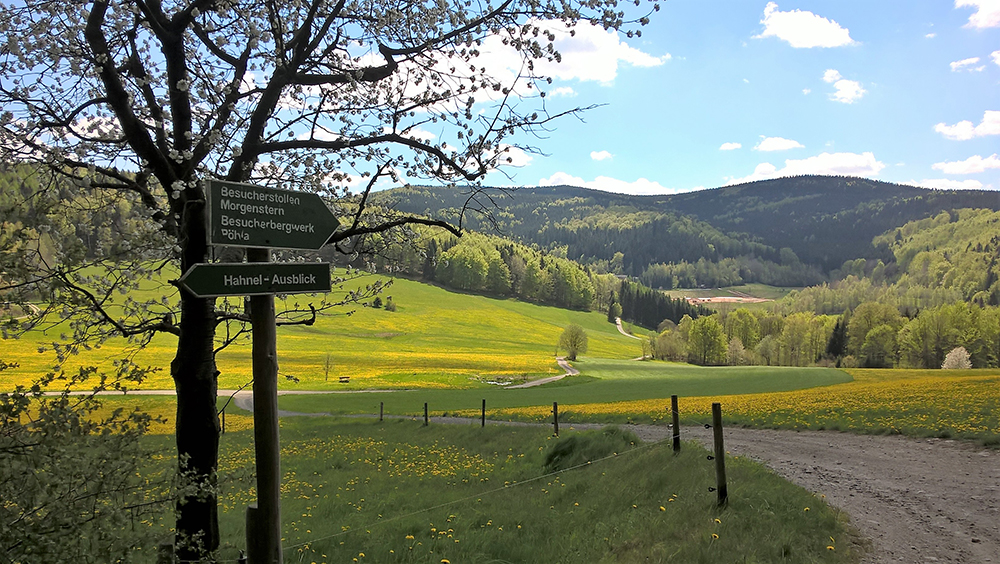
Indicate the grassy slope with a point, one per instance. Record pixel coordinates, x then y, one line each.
435 338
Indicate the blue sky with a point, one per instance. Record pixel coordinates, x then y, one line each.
723 92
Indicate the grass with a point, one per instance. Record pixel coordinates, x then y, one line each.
920 403
601 380
400 492
436 338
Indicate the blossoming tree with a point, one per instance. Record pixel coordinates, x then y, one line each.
136 102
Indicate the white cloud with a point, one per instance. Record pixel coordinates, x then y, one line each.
413 133
966 64
972 165
777 144
510 155
987 12
600 155
848 91
802 29
591 53
730 146
995 55
564 91
945 184
842 164
964 129
806 90
321 133
931 35
641 186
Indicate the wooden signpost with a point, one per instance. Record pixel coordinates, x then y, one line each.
259 219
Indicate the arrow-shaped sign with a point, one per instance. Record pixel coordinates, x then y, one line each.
255 278
244 215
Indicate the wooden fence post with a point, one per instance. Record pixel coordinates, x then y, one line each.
426 419
720 454
484 412
555 417
676 424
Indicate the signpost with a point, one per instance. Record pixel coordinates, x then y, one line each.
259 218
244 215
254 279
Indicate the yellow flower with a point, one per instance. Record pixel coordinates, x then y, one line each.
663 508
714 536
361 555
445 561
409 537
829 548
806 509
718 521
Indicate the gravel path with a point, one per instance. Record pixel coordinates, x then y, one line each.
918 500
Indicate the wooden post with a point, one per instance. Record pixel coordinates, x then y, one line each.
267 514
484 413
676 424
381 408
555 417
165 553
426 419
720 454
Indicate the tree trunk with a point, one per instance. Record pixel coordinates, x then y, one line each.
197 425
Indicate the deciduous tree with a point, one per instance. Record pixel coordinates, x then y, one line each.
573 340
141 101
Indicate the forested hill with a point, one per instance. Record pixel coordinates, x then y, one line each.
824 220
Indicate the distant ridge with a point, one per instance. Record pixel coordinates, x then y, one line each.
825 220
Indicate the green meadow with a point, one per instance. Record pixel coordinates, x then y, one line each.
398 492
435 338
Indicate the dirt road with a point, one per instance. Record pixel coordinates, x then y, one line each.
918 500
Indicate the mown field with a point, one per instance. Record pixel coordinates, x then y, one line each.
435 338
363 491
600 380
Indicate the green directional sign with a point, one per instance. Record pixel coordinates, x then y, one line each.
244 215
255 278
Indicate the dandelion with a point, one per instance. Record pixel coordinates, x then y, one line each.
830 547
715 536
663 508
718 521
806 509
445 561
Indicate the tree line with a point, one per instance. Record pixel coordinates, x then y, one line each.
873 335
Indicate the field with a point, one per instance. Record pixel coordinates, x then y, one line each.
921 403
760 295
435 338
400 492
600 380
